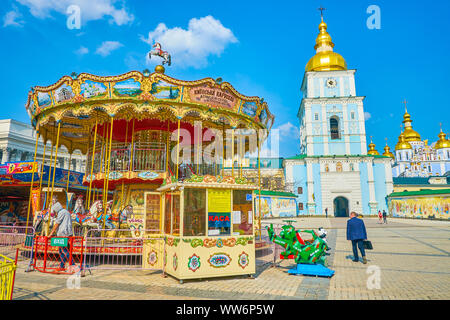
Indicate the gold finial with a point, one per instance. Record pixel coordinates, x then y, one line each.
372 150
325 58
160 69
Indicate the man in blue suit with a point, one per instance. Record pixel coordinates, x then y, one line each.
356 232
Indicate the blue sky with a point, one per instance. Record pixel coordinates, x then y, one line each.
260 47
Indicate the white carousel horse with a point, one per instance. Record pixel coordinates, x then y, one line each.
160 53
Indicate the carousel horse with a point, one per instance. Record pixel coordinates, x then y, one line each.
100 216
160 53
82 218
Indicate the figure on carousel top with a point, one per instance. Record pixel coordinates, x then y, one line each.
160 53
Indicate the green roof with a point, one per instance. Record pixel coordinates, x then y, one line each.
422 192
303 156
275 193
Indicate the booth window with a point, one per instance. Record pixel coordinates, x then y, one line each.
194 212
242 214
152 212
172 214
219 212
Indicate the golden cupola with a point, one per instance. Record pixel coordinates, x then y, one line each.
387 152
325 59
443 142
372 151
402 144
410 134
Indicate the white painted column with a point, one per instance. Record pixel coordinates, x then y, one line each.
325 129
309 130
341 86
388 175
362 128
310 185
346 131
372 200
290 176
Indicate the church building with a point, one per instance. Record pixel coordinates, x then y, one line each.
334 171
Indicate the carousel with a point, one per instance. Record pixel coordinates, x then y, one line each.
155 148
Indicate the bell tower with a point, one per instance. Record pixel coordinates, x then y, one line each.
331 115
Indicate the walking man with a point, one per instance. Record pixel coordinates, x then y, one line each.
63 224
384 217
356 232
326 212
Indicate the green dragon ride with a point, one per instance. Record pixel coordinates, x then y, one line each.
311 251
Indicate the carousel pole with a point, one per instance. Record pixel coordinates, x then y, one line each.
167 146
132 148
56 157
223 150
105 164
259 185
68 174
178 148
49 171
32 179
87 164
43 168
232 153
121 196
107 173
92 166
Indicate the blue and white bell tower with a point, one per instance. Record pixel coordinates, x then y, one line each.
334 171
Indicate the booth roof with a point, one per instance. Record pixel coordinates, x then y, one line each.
422 192
275 193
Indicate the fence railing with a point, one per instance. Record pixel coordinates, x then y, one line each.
61 255
7 272
121 251
16 237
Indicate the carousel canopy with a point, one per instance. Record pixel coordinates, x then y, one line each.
154 100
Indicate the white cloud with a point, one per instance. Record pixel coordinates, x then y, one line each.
204 37
367 116
288 130
82 51
90 9
12 18
107 47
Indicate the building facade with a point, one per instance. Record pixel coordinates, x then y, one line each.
414 157
334 171
18 141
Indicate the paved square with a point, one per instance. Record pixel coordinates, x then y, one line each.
412 258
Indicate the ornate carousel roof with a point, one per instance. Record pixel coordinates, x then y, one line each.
78 101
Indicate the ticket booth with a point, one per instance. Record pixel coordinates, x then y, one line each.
209 230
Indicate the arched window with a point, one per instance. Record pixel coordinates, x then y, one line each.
338 167
334 127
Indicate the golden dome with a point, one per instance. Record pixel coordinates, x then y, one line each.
402 144
443 142
325 59
372 150
410 134
160 69
387 152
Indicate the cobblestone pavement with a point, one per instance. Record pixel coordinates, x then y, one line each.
412 259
